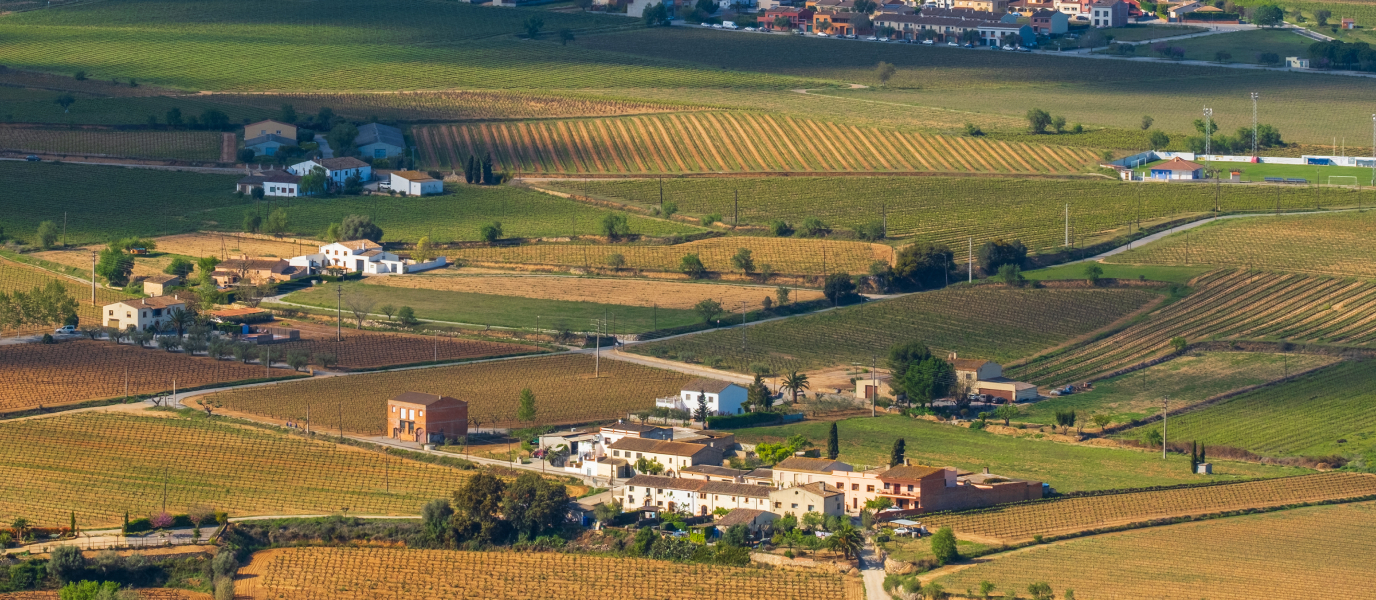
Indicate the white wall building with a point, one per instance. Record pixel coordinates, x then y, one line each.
723 397
363 256
415 183
336 169
143 313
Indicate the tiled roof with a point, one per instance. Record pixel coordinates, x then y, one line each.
337 164
420 398
1177 164
713 470
661 482
968 364
658 446
735 489
631 427
910 472
709 386
803 463
372 133
416 176
271 137
821 489
740 516
154 302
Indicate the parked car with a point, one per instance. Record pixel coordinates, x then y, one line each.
928 43
32 158
956 44
67 329
1024 49
872 39
969 45
716 26
706 24
820 34
852 37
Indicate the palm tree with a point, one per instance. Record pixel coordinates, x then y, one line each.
20 527
180 319
795 382
846 539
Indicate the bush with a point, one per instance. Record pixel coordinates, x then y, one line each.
745 420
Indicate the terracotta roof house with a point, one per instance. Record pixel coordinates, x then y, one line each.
1177 168
141 313
712 473
799 470
671 455
693 496
921 488
755 520
817 497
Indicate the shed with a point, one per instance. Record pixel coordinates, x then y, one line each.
753 519
1001 387
426 418
415 183
157 286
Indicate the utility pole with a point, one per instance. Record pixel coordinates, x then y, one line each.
597 349
1208 131
164 489
1254 123
737 219
338 315
64 229
1165 400
1373 152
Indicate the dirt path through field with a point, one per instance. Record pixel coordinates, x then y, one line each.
229 146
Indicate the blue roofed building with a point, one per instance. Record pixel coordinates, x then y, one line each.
379 141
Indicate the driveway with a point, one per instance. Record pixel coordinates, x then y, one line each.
872 570
325 151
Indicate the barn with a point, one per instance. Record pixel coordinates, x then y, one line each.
426 418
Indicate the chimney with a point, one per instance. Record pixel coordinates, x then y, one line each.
175 297
986 470
953 356
907 462
144 301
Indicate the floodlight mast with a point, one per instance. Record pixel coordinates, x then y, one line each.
1254 123
1208 131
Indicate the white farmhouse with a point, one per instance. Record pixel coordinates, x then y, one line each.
416 183
337 170
362 256
142 313
723 397
274 183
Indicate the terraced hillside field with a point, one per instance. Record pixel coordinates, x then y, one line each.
387 573
565 392
18 277
1329 412
729 142
1341 244
630 292
100 465
951 210
49 375
996 323
787 256
178 145
1018 523
1288 554
1225 305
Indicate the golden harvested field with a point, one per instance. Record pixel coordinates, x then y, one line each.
79 257
629 292
343 573
1341 244
197 245
456 105
17 277
1018 523
103 464
784 255
1316 552
48 375
1226 305
564 386
370 350
711 142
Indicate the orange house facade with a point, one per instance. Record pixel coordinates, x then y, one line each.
926 489
426 418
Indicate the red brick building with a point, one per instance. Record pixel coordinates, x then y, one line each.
426 418
798 18
921 488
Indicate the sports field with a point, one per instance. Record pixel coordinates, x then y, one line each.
347 573
1290 554
1337 244
996 323
565 386
1331 412
1311 174
1225 304
1186 380
1067 467
100 465
951 210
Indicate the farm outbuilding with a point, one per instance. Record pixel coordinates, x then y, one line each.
1000 387
415 183
1177 168
426 418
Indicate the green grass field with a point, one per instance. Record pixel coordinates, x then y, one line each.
992 322
1172 274
1337 244
508 311
1137 33
1331 412
30 105
1185 380
1310 173
952 209
1243 46
1068 468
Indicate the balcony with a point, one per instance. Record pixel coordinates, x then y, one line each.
671 402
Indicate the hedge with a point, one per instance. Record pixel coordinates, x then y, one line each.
745 420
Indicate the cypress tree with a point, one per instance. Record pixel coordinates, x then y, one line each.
73 526
1201 454
1194 456
833 444
125 529
488 178
470 172
896 455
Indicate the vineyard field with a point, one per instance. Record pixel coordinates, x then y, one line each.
1226 305
788 256
458 105
996 323
378 573
1302 553
49 375
106 203
508 311
1330 412
1341 244
100 465
1067 467
951 210
1018 523
30 105
201 146
729 142
1187 380
370 350
456 216
625 292
16 277
565 388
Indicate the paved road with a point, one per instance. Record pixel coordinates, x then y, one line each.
325 151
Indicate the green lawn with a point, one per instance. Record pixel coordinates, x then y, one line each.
1310 173
27 105
1150 272
1068 468
506 311
1329 412
1137 33
1185 380
1242 46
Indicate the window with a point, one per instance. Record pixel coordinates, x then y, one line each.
910 487
630 488
659 491
809 508
112 312
856 487
795 505
379 153
422 413
616 453
660 503
394 409
870 488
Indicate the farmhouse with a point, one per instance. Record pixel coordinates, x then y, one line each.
337 170
723 397
255 271
815 497
270 127
267 145
693 496
671 455
142 313
426 418
754 520
157 285
874 387
969 370
801 470
1108 13
980 376
712 473
610 434
379 141
360 256
274 183
1177 168
415 183
1001 387
925 489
